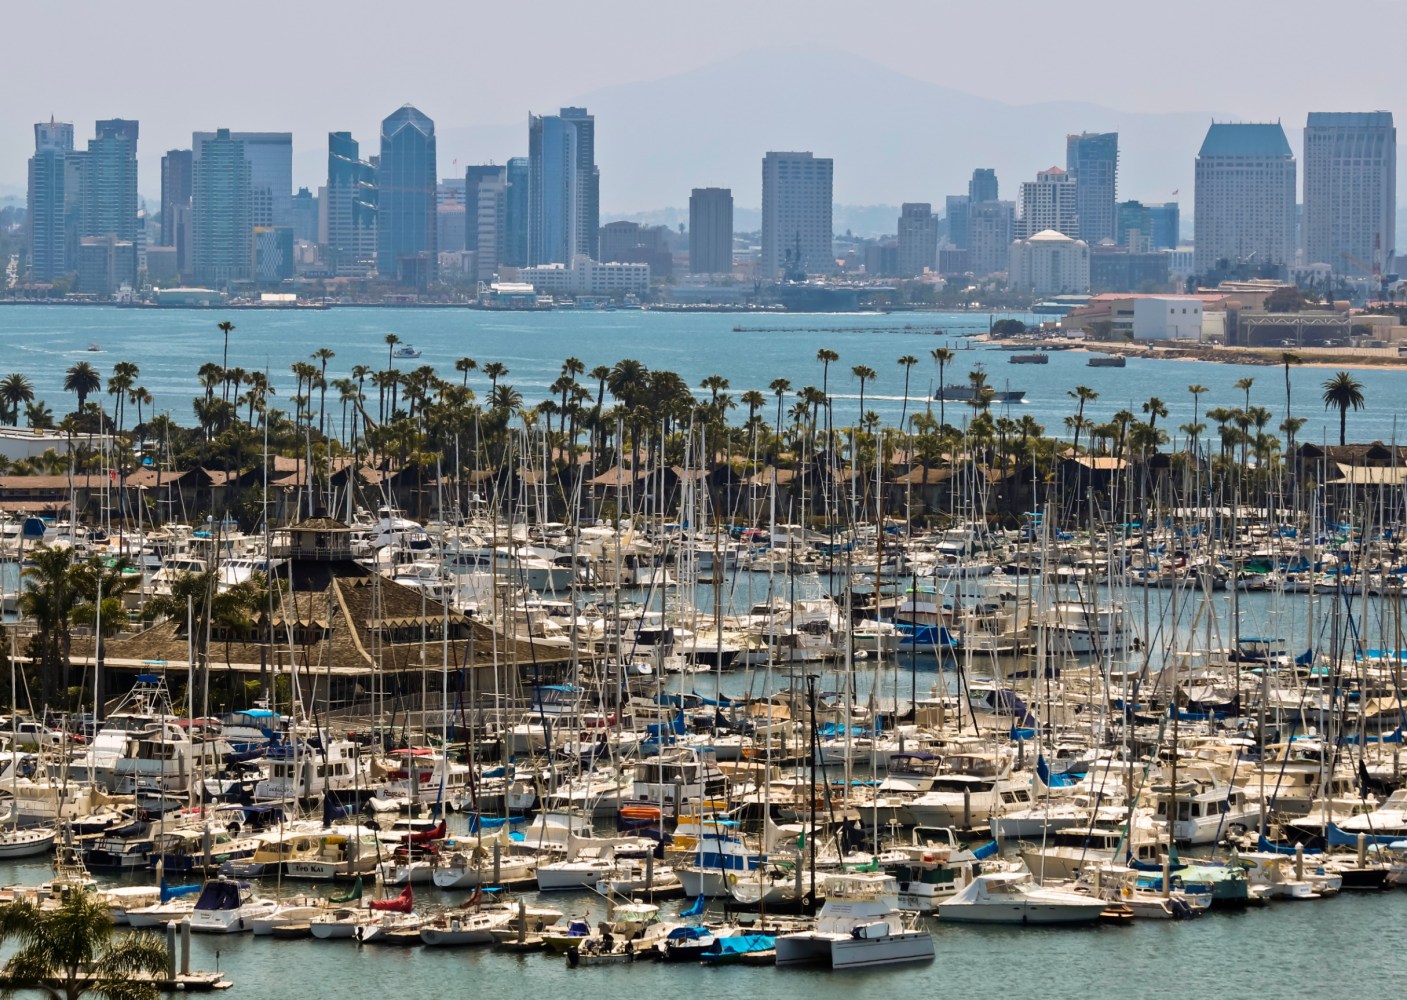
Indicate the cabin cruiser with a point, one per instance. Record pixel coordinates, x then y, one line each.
1015 898
860 925
226 906
337 768
1205 814
972 789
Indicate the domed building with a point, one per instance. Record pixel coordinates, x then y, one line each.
1049 263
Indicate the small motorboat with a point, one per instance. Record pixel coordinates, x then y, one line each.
227 906
405 351
451 930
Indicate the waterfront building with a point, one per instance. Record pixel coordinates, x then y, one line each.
1092 160
588 277
1049 263
1350 191
515 211
564 187
485 221
270 157
1049 202
176 203
349 209
991 227
47 239
406 239
221 227
273 254
711 231
110 181
796 215
1245 197
105 264
918 239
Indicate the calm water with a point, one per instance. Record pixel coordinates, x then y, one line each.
1335 947
169 345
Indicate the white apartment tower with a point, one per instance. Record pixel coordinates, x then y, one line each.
1350 190
1245 197
1049 202
796 215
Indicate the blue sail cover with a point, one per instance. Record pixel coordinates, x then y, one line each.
1269 847
1336 837
742 944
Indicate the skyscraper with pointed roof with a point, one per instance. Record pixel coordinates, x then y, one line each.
406 245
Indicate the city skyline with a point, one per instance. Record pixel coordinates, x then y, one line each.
1153 149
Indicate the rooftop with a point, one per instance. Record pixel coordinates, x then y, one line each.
1253 140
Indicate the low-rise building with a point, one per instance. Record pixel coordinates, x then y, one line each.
1049 263
588 277
1167 317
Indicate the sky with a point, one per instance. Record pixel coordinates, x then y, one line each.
311 66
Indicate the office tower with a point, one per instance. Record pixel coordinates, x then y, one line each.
796 215
110 182
221 233
711 231
1245 196
564 187
983 186
1049 202
1133 226
1350 191
305 216
485 218
957 210
175 193
48 242
350 208
105 264
451 215
270 156
1092 159
918 239
273 254
991 227
515 212
406 245
1165 225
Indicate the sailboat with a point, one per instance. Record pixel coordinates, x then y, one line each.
17 841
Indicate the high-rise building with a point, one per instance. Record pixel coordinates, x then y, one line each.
992 224
1165 225
1245 197
485 219
1350 190
48 241
270 156
564 187
451 214
1049 202
957 211
110 182
305 216
711 231
222 248
983 186
918 239
796 215
349 209
1092 159
406 245
175 194
1133 226
515 212
273 254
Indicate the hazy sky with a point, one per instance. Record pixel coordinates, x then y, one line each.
309 66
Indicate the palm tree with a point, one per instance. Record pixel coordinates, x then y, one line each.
942 355
82 379
495 370
139 396
464 366
780 387
1155 408
1287 359
1082 394
865 374
72 951
908 361
15 389
323 355
1345 392
1197 389
47 599
226 327
39 416
825 356
1244 384
391 341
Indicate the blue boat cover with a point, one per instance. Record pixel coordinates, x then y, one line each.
987 850
742 944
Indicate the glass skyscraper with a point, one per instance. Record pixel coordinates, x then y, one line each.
564 187
406 246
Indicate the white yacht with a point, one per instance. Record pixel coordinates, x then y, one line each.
860 925
228 907
1015 898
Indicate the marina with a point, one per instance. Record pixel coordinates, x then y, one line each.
661 716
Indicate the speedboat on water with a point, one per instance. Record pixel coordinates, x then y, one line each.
860 925
1015 898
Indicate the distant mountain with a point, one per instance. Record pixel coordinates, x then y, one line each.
893 138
